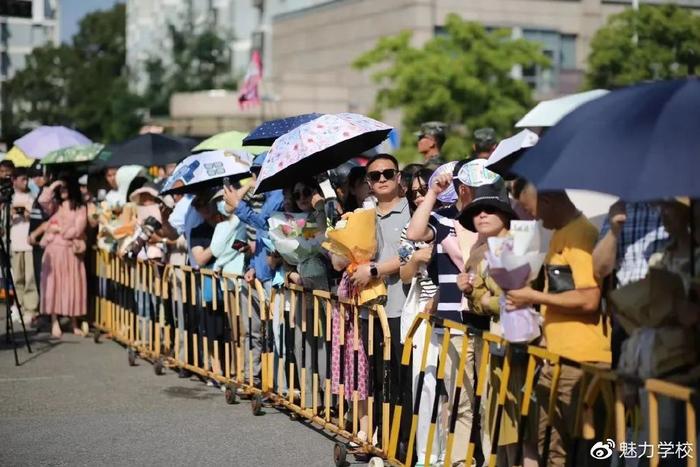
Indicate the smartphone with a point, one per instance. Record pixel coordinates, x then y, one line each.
239 245
227 182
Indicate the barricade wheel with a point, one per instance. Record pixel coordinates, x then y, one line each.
256 404
159 367
293 416
96 336
340 454
230 394
376 462
131 355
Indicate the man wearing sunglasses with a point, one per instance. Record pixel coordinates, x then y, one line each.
393 214
431 137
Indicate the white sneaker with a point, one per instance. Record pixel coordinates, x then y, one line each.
15 315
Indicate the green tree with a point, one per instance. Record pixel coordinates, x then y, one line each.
81 85
462 77
655 42
102 103
39 92
200 61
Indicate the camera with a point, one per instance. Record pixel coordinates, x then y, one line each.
7 190
143 235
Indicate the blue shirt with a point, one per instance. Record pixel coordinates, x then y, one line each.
274 201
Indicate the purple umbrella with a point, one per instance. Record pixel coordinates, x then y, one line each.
41 141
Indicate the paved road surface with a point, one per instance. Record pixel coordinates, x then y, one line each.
74 402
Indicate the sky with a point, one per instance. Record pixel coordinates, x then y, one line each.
73 10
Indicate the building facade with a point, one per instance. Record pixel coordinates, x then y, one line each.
25 25
318 45
243 24
309 47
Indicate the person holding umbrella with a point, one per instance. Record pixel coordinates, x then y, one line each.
630 235
258 267
573 324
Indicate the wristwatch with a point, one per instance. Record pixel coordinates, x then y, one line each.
373 271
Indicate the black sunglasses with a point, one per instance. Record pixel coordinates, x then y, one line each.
303 193
376 175
487 210
422 191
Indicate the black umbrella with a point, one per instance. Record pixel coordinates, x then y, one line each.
150 149
268 132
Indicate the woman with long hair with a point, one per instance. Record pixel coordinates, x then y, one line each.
63 281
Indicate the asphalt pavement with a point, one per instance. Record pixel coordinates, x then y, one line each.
74 402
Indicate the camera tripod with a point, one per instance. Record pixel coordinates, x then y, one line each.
9 285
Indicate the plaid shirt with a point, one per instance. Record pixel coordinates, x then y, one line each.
642 235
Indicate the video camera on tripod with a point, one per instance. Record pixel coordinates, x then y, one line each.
7 190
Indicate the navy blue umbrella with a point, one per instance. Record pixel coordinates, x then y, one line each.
640 143
269 131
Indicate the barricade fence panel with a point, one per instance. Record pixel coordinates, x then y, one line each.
452 396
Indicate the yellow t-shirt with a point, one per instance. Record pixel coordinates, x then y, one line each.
580 337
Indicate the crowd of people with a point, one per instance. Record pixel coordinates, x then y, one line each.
430 256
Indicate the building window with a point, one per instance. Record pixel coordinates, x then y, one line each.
561 51
558 47
16 8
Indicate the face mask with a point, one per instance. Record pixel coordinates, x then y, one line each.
221 207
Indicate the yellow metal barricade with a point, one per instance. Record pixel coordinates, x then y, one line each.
299 349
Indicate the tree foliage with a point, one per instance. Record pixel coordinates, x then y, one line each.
462 77
81 85
199 61
667 46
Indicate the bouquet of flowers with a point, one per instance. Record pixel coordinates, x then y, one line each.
513 262
355 239
295 238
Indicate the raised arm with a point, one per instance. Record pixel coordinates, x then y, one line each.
46 200
605 252
419 229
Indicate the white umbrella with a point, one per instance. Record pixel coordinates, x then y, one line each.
208 169
548 113
508 150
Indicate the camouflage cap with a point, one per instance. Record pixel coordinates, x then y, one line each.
432 129
485 136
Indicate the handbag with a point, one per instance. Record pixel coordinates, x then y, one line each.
559 278
79 246
412 306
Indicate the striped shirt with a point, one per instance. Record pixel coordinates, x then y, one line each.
443 272
256 202
406 250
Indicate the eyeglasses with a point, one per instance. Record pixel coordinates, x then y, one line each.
376 175
303 193
422 191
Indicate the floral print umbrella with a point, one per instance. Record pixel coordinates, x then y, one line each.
317 146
